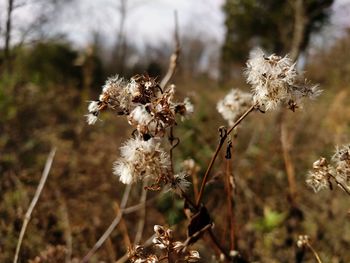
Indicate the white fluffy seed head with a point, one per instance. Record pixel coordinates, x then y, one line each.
91 118
275 81
141 159
234 104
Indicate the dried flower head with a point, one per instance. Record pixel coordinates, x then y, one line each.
143 89
193 256
150 110
170 249
319 177
179 183
116 95
154 117
341 160
234 104
303 240
142 159
275 81
138 255
163 238
185 108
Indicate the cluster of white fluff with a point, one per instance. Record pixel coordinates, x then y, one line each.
151 111
235 103
275 80
323 172
148 108
141 159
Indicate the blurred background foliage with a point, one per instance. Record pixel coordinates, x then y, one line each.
44 88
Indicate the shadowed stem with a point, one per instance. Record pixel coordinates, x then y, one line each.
216 153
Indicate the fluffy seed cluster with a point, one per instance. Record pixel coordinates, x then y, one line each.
142 159
179 183
149 109
275 81
235 103
341 160
323 172
319 177
172 250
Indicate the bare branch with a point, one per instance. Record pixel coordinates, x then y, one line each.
174 57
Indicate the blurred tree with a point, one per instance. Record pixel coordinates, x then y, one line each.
26 22
8 29
277 26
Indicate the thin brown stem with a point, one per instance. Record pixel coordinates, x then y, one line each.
314 252
216 153
35 199
289 165
229 193
142 220
174 57
217 244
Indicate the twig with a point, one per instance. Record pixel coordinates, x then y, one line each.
35 199
174 57
142 220
218 148
217 244
112 226
314 252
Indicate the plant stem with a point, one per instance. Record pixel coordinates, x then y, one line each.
217 244
230 203
35 199
216 153
340 184
314 252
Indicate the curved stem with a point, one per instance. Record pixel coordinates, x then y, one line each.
216 153
314 252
